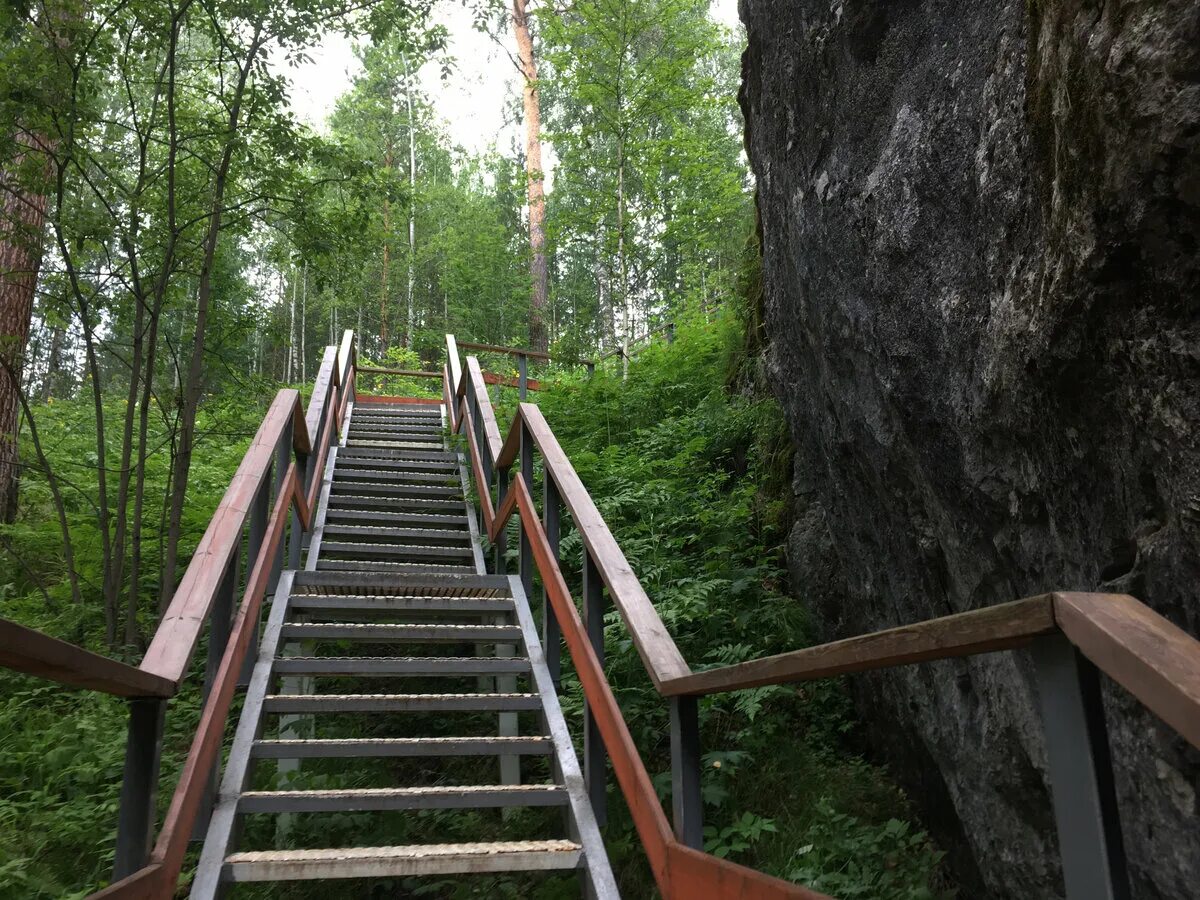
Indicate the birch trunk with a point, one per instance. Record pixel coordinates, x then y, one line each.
535 185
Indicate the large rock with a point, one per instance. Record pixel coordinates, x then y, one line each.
981 248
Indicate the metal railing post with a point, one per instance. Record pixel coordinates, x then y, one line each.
219 627
259 511
685 772
139 785
551 632
522 375
501 543
595 766
525 563
1080 769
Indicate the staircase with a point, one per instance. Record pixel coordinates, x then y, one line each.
394 590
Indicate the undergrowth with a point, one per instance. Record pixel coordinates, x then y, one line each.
694 480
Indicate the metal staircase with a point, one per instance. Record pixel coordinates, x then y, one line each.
395 587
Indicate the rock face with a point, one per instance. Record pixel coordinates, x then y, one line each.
981 246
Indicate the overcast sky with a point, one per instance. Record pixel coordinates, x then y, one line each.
471 100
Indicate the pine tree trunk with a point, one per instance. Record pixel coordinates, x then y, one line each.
21 242
535 186
412 205
387 253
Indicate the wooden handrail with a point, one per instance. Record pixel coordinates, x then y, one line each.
407 373
992 628
170 651
508 381
511 351
27 650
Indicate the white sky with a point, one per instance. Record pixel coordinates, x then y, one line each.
471 100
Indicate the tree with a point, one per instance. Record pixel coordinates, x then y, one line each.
535 188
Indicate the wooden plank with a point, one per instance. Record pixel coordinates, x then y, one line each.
144 884
1001 627
321 391
171 649
173 839
454 366
654 643
511 351
407 373
369 400
491 431
26 650
507 381
1139 649
346 358
695 874
481 484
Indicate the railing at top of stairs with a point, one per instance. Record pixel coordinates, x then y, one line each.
1073 637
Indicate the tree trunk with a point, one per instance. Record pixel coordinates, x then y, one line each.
21 243
535 187
303 324
387 253
191 390
412 203
623 270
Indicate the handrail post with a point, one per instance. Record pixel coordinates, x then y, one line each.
1080 770
686 801
525 560
139 785
594 756
219 627
522 375
259 511
551 631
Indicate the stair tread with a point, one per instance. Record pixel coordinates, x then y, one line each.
300 629
423 791
413 850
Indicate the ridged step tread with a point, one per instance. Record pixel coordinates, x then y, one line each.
358 464
366 703
347 631
398 568
338 748
394 489
449 478
471 796
351 453
426 504
401 665
364 551
376 604
381 517
379 534
401 861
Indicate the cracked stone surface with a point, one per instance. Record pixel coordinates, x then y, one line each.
981 241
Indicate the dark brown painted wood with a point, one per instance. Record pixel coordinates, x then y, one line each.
407 373
506 381
26 650
511 351
1002 627
1147 655
171 649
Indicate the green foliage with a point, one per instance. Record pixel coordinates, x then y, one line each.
847 858
694 480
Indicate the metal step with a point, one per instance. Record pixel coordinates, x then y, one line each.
471 796
361 501
393 489
387 444
401 665
378 534
427 585
429 605
384 517
353 455
400 568
342 748
394 552
394 467
448 478
502 634
417 410
432 430
364 703
398 862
